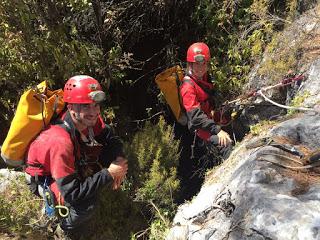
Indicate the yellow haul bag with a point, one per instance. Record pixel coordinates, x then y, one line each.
35 110
169 81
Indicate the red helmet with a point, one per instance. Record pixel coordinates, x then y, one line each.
198 52
83 89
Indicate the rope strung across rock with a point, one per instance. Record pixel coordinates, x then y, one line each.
260 92
285 106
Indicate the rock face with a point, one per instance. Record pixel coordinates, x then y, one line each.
311 88
298 46
269 188
7 176
250 198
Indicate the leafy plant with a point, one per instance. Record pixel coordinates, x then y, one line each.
20 210
238 33
154 155
297 101
261 127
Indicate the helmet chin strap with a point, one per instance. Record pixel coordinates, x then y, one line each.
77 113
91 136
190 72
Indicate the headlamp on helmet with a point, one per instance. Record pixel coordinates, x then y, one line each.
198 52
97 96
82 89
199 58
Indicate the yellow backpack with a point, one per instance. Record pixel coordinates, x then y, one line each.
35 110
169 82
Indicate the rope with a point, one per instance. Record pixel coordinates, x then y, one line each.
61 208
284 106
253 93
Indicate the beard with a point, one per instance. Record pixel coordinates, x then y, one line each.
200 74
89 121
85 121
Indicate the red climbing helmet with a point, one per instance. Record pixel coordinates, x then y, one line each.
198 52
83 89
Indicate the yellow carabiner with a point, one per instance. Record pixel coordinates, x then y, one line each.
61 209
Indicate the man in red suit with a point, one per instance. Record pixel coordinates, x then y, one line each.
78 156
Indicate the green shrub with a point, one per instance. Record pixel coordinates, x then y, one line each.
154 156
153 159
20 210
117 216
261 127
144 207
297 101
147 194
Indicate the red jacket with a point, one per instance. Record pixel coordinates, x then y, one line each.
52 154
198 108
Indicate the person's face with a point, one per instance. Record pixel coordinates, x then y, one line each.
85 115
199 69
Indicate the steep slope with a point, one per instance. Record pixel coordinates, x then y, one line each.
266 190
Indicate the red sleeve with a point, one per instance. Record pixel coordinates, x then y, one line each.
197 119
189 97
62 159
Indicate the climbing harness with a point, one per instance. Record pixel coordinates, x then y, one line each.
50 205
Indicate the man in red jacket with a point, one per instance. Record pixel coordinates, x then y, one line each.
79 156
196 95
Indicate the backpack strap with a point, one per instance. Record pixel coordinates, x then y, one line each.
68 125
205 89
188 79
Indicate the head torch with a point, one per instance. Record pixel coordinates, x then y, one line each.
97 96
199 58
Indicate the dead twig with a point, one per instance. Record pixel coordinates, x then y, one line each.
232 228
159 213
282 156
141 233
149 118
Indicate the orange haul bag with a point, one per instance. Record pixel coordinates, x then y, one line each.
169 81
35 110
